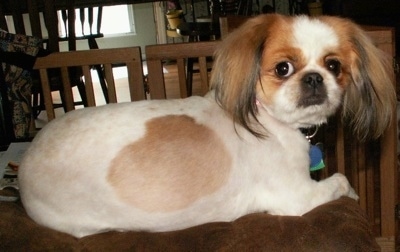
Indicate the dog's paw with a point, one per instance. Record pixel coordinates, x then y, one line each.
343 186
352 194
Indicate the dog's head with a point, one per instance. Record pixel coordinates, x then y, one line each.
301 70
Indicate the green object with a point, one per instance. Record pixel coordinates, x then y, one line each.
318 166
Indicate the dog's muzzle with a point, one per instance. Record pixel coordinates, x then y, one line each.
313 91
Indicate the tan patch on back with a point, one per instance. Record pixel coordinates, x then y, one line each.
177 162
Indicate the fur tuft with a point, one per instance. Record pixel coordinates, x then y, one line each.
236 71
370 99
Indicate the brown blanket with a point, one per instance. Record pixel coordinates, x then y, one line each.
336 226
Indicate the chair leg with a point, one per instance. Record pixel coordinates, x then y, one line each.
189 74
36 105
39 107
82 92
93 45
62 97
37 98
103 83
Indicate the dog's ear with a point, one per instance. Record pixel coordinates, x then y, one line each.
236 70
369 100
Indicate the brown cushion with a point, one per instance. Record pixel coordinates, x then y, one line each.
339 225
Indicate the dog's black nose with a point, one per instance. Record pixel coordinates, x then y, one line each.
313 80
313 89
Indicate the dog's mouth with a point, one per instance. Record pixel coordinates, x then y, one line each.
311 101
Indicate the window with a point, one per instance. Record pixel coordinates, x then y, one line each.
118 19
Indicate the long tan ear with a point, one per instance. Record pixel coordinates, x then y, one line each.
236 70
370 100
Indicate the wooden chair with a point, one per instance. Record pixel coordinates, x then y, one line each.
370 167
88 17
179 52
131 57
50 34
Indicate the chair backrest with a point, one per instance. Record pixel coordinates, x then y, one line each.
156 54
86 20
84 59
52 18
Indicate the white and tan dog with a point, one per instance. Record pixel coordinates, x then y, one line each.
171 164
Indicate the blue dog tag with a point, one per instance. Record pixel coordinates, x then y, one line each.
316 158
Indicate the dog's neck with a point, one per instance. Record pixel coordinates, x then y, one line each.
315 151
308 132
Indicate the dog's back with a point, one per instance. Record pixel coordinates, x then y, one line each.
125 166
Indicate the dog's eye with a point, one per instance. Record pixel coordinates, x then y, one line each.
284 69
333 66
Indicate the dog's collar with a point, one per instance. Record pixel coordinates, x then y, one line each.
309 133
